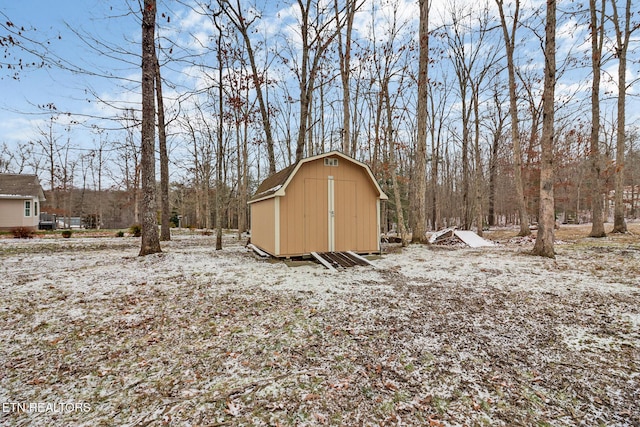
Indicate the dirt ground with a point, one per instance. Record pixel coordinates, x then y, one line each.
432 335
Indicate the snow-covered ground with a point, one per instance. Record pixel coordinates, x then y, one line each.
430 336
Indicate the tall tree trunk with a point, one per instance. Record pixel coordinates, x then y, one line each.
150 241
239 169
305 94
435 161
219 153
493 158
344 53
393 167
622 44
597 36
100 211
420 187
466 204
316 38
165 227
493 174
546 223
509 40
478 161
243 181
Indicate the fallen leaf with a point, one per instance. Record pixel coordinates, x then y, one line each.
433 422
390 386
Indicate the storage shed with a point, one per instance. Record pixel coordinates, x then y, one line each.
324 203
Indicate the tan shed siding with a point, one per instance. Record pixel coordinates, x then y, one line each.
299 211
368 233
291 219
263 225
304 210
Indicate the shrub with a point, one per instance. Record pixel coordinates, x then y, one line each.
22 233
66 233
135 230
120 233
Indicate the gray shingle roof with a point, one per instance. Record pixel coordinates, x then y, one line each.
273 183
20 185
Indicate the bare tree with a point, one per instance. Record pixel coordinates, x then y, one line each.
150 239
623 32
317 33
344 55
420 160
463 62
48 143
18 158
98 160
129 163
390 136
220 151
243 24
496 124
437 119
165 227
33 53
596 26
509 34
546 222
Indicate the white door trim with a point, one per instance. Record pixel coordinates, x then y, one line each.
331 215
276 225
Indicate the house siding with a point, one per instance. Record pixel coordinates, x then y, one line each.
12 214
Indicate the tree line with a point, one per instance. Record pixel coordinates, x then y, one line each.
469 114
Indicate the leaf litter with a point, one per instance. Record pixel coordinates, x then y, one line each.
432 336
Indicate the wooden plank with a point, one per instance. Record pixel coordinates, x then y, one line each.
257 250
444 233
362 259
339 258
348 259
322 261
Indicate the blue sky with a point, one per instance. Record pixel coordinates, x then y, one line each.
20 118
54 24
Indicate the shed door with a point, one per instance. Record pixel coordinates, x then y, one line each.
316 215
329 215
345 220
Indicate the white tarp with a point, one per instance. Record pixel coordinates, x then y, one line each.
472 239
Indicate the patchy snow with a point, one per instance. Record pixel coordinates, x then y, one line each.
431 336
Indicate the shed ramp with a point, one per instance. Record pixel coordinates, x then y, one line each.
334 260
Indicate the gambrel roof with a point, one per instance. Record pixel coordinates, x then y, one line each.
276 184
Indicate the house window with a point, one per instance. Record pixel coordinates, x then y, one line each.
35 208
331 161
27 208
